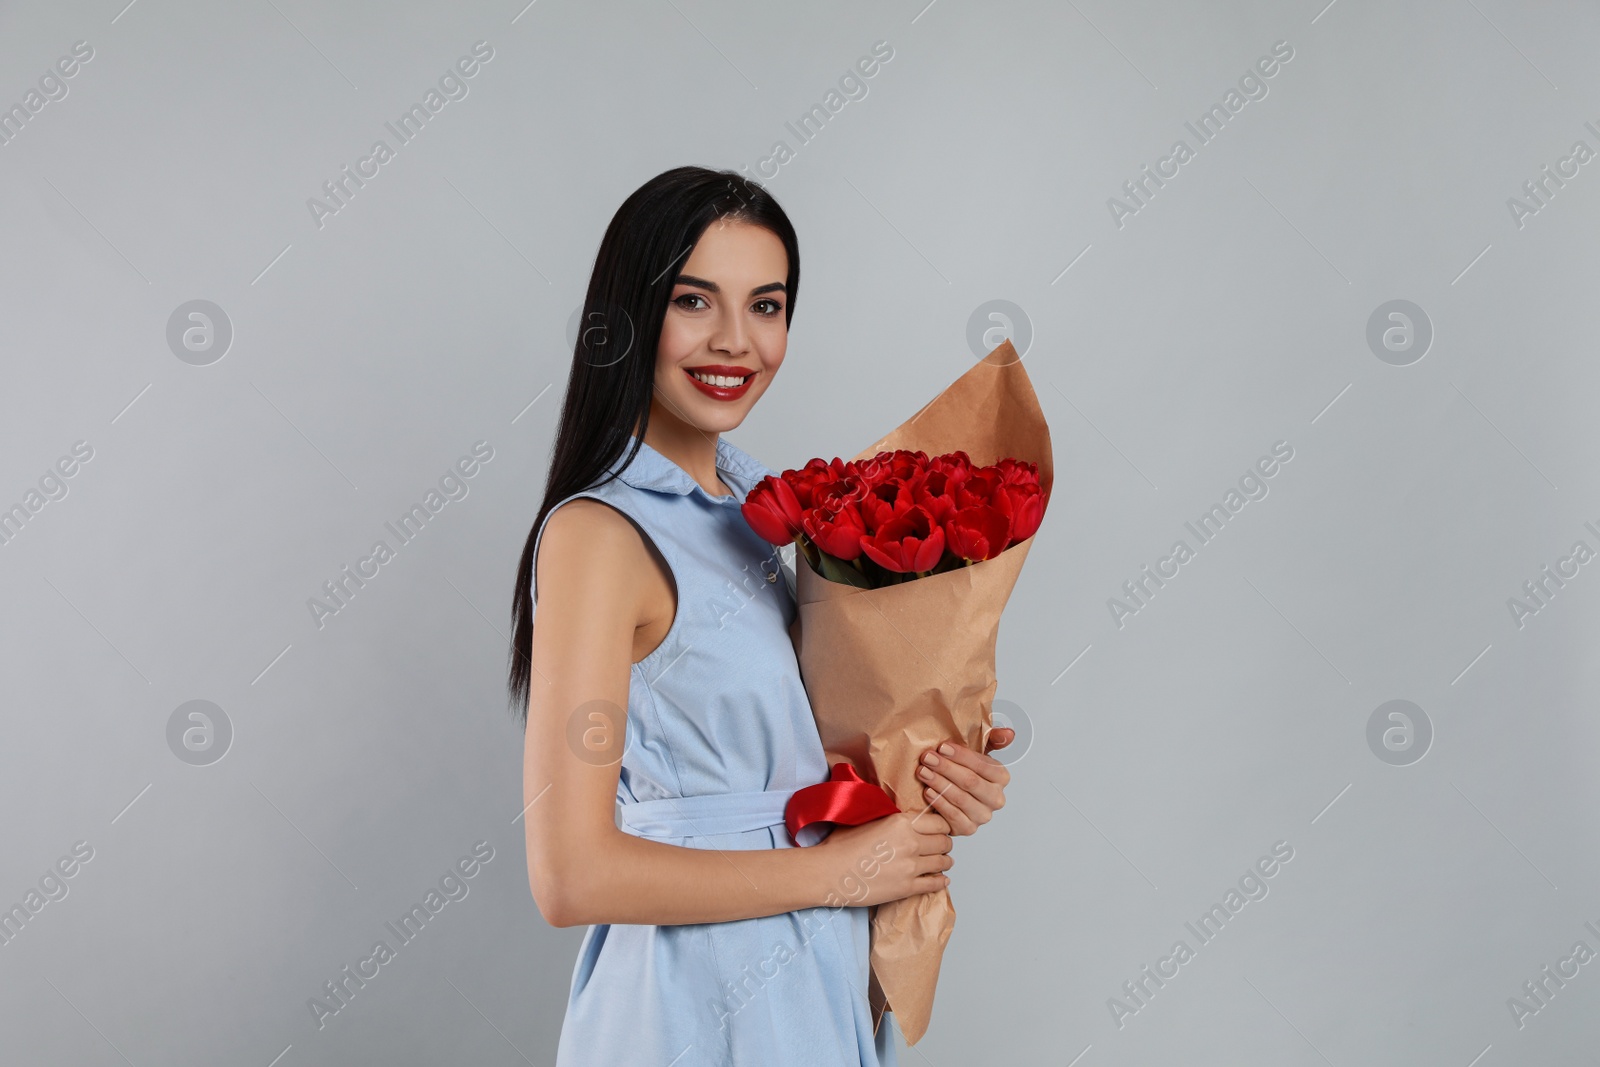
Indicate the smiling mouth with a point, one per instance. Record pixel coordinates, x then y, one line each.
720 381
733 387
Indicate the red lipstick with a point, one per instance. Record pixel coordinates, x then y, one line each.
719 392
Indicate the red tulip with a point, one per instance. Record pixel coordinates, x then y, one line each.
816 473
1016 470
836 492
978 487
978 533
908 542
904 464
837 531
773 511
935 491
875 469
955 466
884 501
1023 504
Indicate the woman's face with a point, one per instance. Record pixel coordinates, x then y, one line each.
725 319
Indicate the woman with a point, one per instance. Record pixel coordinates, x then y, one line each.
666 721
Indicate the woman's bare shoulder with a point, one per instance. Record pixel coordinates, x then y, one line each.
593 542
585 527
586 514
593 561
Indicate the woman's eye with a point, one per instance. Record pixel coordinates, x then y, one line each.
773 307
688 296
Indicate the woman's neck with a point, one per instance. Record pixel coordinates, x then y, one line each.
693 449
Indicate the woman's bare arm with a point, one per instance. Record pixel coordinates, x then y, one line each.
592 570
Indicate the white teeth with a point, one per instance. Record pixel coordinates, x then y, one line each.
719 380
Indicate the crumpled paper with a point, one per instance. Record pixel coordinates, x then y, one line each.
892 672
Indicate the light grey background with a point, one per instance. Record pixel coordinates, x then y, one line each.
1170 353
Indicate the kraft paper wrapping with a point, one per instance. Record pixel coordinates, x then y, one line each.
892 672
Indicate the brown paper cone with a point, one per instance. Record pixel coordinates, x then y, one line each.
892 672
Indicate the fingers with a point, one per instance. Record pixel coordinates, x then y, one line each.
931 863
975 766
966 800
983 776
932 835
1000 737
961 823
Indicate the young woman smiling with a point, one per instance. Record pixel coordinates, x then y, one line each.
665 731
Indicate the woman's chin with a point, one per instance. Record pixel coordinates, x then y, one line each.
712 416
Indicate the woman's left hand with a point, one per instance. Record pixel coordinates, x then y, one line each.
963 786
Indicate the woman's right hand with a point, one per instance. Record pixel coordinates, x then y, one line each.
899 855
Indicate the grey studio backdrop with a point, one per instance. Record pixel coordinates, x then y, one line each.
1341 747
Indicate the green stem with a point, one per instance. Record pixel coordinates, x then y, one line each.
807 549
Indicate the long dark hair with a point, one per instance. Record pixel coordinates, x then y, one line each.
614 360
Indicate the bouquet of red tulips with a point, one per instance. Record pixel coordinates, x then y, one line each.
898 515
913 549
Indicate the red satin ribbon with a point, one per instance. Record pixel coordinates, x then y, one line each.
845 798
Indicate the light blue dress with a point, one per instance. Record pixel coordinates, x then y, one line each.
720 735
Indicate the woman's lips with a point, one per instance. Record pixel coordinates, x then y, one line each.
717 392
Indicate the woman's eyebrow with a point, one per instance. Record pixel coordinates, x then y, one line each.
713 287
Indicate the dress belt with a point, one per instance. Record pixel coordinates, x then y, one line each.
715 813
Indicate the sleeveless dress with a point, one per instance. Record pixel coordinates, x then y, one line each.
719 735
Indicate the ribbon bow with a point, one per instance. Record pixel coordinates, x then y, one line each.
845 799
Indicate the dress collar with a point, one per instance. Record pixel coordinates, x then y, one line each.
652 470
